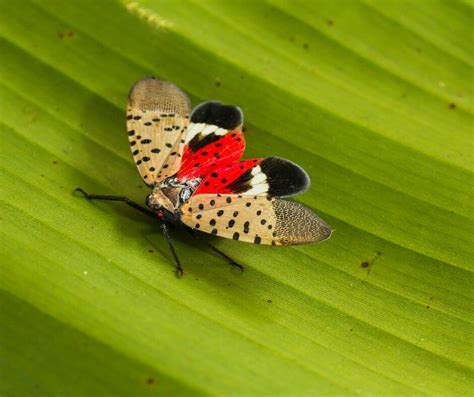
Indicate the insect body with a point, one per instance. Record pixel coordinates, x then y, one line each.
192 161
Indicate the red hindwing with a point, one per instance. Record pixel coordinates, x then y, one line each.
222 180
202 160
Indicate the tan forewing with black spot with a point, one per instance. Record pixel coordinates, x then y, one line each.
157 119
254 219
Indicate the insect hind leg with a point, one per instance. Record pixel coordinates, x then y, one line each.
179 268
231 261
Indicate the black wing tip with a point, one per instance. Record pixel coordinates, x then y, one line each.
228 117
285 177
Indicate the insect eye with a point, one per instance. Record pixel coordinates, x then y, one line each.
148 201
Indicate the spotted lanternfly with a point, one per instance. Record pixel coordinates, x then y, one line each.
192 161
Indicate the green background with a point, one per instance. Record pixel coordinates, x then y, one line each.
372 98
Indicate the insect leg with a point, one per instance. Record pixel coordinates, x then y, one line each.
131 203
126 200
179 269
217 251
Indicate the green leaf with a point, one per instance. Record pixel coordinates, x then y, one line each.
373 98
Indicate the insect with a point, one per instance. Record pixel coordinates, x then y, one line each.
192 162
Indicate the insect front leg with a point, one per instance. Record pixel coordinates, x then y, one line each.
126 200
131 203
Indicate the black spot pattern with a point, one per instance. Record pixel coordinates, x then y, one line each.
200 141
220 212
257 240
246 227
231 223
236 236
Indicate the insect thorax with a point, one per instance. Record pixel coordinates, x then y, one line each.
171 194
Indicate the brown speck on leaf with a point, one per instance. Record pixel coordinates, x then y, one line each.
54 162
427 306
150 381
305 46
350 330
71 33
217 83
452 105
368 264
151 251
330 22
269 301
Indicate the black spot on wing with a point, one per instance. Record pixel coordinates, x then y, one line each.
199 141
284 177
215 113
242 183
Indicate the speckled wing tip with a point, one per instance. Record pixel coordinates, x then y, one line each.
297 224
